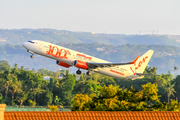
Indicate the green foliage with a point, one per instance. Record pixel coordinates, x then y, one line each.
1 97
32 103
53 108
95 92
4 66
112 98
22 97
57 100
150 92
108 92
80 101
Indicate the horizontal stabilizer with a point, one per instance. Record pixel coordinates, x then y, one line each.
135 60
146 74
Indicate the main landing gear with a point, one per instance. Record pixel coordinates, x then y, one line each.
32 56
79 72
88 73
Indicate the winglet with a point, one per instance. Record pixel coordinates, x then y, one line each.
135 60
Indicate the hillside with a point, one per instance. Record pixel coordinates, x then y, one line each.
17 36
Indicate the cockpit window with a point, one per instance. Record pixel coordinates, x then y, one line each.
31 42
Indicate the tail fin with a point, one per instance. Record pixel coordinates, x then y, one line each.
142 62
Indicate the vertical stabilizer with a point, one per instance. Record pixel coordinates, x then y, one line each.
142 62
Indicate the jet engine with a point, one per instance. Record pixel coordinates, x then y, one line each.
80 64
63 64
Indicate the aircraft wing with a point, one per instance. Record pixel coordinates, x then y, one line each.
95 65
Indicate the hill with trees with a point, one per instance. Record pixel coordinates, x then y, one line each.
17 36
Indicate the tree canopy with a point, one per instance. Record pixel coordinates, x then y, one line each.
20 86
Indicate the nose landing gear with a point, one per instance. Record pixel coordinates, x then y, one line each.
32 56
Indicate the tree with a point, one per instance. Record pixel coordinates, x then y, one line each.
113 98
68 87
151 70
2 82
45 98
7 88
15 86
91 86
106 80
1 97
169 89
150 92
22 97
177 86
175 68
79 101
4 66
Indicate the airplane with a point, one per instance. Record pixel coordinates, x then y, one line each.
66 58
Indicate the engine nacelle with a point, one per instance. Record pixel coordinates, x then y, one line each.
63 64
81 64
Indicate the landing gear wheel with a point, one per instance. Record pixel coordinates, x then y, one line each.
78 72
32 56
88 73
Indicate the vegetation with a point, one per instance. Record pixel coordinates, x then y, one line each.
53 108
113 98
96 92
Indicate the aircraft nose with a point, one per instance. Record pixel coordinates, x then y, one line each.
24 44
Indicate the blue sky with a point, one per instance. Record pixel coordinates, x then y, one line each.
100 16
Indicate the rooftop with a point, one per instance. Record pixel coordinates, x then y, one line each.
92 115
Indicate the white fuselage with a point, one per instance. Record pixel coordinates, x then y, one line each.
68 56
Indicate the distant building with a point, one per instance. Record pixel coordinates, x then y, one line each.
46 78
100 49
3 39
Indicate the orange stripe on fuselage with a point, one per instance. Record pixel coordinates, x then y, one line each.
117 72
80 55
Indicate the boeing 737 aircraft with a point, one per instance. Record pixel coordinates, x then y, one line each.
66 57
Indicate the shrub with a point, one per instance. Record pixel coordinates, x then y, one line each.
32 103
53 108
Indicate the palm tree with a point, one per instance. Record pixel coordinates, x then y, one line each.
15 86
169 89
175 68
